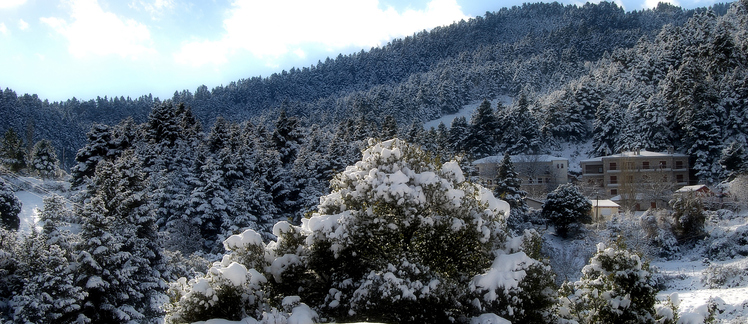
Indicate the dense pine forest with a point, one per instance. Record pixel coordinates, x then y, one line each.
161 187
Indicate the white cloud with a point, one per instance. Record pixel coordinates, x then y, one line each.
22 25
271 29
3 29
96 32
11 3
155 8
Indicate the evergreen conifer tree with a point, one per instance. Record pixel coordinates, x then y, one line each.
508 188
10 207
44 159
481 140
566 208
12 151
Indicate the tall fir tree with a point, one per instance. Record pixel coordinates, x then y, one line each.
12 151
481 140
508 188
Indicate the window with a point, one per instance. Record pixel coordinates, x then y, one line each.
629 165
613 166
645 165
562 165
613 180
529 181
663 164
653 205
540 180
600 170
679 178
630 179
679 164
613 192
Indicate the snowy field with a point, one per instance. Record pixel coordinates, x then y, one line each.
466 111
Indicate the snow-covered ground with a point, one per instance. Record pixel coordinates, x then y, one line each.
685 277
32 203
466 111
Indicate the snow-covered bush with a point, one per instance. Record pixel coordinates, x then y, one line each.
10 207
688 218
566 209
615 288
401 238
518 287
667 312
658 228
398 208
229 289
723 276
726 244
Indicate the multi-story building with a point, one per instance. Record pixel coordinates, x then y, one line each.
539 173
640 179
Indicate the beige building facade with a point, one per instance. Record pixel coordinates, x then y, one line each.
637 180
540 174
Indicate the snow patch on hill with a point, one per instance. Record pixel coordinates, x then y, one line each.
466 111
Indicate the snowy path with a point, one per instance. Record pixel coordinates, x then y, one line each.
32 203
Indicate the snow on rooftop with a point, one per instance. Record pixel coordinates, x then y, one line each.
603 203
691 188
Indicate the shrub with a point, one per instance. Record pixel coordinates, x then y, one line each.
723 276
615 288
688 218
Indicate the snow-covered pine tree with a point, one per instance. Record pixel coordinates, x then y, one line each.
104 272
521 133
566 208
12 151
44 159
606 129
508 188
95 150
481 140
49 294
135 220
458 133
734 160
286 137
10 207
389 128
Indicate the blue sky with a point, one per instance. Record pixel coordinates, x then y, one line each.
61 49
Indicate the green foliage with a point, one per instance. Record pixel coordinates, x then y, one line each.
44 159
10 207
614 288
566 208
688 218
12 151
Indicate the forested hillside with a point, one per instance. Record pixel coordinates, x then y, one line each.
536 47
295 190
